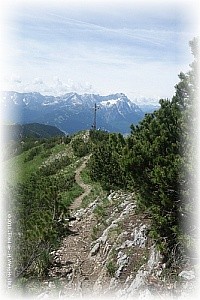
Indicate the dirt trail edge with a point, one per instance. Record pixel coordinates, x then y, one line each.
87 188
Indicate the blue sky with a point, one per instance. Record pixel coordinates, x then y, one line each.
134 47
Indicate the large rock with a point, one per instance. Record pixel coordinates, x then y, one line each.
95 249
187 275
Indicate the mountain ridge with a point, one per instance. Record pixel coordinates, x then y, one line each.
30 130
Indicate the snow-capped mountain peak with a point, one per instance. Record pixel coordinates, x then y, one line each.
72 112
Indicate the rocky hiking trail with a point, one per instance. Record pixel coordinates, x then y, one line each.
108 253
70 262
87 188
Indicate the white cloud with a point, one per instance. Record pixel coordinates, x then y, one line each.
15 79
54 86
38 81
59 87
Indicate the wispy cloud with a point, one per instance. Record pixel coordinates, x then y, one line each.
53 32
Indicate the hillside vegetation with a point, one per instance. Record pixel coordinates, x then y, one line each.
15 135
146 175
157 162
39 199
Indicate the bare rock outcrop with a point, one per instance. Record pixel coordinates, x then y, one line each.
120 262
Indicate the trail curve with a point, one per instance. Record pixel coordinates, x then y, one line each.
86 187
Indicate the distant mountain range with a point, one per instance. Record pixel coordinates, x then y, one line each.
73 112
